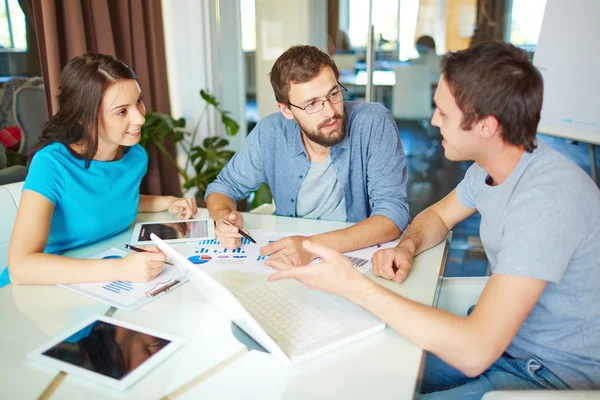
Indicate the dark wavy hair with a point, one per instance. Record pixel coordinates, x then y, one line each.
498 79
83 82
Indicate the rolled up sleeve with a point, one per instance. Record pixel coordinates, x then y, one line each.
244 173
386 173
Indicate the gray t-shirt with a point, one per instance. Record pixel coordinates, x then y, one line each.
543 222
321 196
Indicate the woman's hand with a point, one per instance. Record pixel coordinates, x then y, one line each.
142 267
185 207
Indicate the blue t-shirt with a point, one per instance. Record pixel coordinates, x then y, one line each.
543 222
89 204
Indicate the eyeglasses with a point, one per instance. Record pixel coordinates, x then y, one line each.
318 105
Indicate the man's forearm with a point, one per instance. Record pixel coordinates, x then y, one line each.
426 230
219 205
371 231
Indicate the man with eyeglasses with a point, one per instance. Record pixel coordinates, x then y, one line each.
323 158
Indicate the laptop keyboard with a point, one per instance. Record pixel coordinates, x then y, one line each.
292 318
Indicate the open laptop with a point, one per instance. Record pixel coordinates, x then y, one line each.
291 321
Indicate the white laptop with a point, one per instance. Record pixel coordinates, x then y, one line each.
291 321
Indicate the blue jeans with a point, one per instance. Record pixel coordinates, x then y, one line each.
441 381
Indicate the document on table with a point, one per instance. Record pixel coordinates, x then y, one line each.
129 295
210 256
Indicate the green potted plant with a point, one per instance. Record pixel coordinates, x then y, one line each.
207 158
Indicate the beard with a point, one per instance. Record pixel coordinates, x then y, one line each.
326 139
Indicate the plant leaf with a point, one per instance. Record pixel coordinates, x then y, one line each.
231 127
209 98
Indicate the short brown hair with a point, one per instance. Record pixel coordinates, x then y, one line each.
298 64
497 79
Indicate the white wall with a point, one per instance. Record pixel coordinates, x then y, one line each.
280 25
231 76
203 48
190 28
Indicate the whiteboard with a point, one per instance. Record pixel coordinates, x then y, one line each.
568 56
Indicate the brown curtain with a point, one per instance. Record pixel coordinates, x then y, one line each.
491 21
33 59
128 29
333 21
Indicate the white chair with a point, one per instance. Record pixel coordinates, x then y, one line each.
411 95
10 196
458 294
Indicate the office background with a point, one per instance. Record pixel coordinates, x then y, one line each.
228 47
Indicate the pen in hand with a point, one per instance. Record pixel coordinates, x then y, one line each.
241 232
130 247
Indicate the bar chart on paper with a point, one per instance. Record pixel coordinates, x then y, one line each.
205 255
124 294
118 287
215 242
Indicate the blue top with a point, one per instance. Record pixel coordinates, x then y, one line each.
369 164
89 204
543 222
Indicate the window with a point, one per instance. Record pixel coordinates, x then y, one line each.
525 23
248 11
385 20
12 26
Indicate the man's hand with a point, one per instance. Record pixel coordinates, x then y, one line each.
229 235
291 248
334 274
393 264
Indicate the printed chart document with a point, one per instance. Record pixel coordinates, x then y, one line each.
211 257
129 295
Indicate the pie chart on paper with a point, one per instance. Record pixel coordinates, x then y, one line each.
200 259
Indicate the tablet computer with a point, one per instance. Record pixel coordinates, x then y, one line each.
174 231
107 351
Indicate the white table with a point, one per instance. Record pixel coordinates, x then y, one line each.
212 363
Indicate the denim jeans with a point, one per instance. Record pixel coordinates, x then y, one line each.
441 381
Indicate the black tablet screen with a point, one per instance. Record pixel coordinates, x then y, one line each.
174 230
107 349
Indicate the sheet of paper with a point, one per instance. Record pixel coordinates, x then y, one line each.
361 259
124 292
210 256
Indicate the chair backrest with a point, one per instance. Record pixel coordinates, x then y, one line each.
10 196
411 95
29 105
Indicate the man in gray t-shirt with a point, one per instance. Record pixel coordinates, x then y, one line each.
537 322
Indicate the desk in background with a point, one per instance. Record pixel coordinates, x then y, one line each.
212 362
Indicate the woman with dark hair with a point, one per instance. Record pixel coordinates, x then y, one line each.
83 181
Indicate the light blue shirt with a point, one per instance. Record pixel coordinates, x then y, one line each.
543 222
369 163
321 196
89 204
